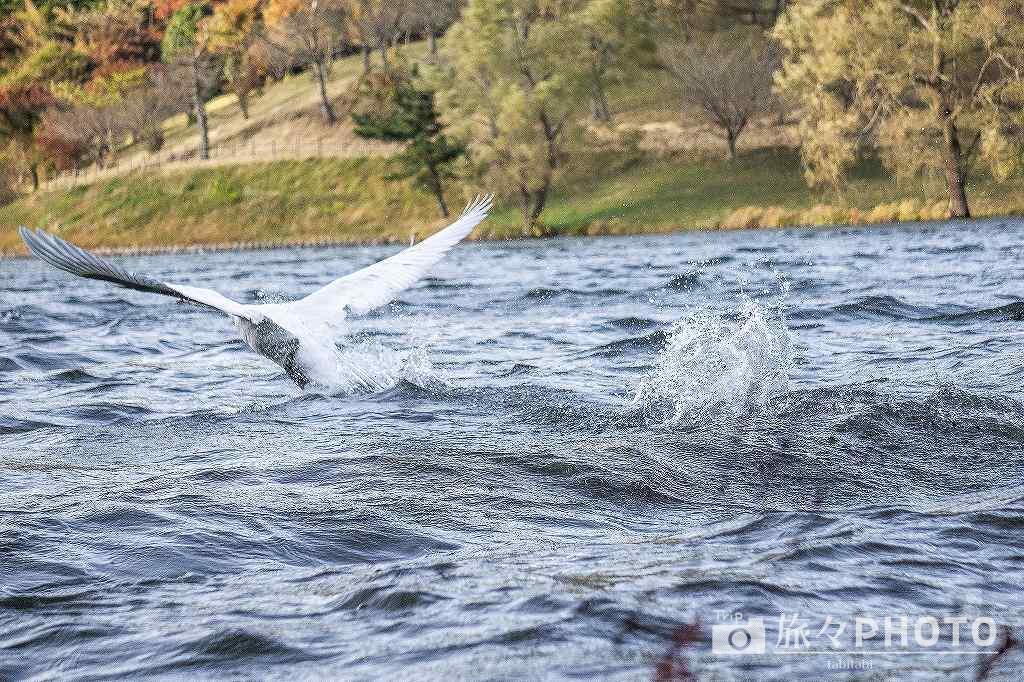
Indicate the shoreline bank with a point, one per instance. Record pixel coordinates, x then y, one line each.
346 202
270 245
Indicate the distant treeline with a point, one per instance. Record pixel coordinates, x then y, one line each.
512 92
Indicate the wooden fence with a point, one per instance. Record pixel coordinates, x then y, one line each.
239 151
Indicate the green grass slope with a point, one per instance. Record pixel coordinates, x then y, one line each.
346 201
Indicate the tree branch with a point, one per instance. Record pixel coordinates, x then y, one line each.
914 14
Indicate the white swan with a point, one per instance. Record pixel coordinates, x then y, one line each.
297 335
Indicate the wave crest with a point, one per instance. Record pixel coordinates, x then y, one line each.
711 362
371 367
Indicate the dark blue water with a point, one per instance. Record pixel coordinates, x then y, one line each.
576 456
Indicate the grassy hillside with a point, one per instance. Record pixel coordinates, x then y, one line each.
678 182
345 200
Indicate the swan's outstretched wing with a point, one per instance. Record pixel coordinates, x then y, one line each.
70 258
378 284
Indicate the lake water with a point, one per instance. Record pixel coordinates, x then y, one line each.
573 459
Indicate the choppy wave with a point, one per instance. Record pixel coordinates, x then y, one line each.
895 308
549 460
713 362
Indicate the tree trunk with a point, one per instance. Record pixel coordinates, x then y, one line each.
538 201
440 204
954 170
531 203
432 41
325 103
199 108
366 59
243 105
435 186
524 208
730 139
550 136
599 101
33 170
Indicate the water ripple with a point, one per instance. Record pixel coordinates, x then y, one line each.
549 459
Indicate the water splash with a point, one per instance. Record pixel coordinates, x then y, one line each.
710 363
370 367
339 359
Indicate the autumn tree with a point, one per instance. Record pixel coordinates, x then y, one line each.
186 47
111 33
32 60
163 10
407 115
26 85
930 84
91 117
235 30
726 77
309 33
512 88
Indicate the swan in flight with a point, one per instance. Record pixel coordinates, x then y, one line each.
296 335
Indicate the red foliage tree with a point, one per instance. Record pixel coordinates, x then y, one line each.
60 149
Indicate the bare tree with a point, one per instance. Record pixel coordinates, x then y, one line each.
200 72
98 130
376 25
727 77
243 76
310 35
144 110
90 125
431 18
275 61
